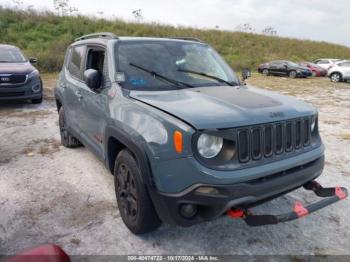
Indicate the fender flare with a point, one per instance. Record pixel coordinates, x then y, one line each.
136 148
58 98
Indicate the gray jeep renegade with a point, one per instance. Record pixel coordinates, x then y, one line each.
186 140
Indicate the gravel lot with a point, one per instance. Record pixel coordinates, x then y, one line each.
50 194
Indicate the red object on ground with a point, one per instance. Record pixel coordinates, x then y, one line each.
340 193
237 213
45 253
299 209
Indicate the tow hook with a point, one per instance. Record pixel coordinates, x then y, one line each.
330 196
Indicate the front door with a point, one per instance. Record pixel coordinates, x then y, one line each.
282 69
346 66
94 107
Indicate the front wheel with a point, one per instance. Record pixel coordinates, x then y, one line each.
134 203
336 77
293 74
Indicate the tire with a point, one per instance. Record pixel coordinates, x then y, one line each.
67 140
265 72
335 77
134 203
37 101
293 74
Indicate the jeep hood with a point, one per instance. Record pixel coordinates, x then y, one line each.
226 106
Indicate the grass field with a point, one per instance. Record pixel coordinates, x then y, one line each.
46 35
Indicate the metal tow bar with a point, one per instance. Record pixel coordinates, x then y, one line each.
330 194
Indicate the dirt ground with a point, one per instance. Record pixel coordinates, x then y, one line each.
50 194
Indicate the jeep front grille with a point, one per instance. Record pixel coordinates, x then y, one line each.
266 140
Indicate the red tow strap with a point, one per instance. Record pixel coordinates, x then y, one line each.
340 193
299 209
235 213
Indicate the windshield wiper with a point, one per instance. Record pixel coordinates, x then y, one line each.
156 75
208 76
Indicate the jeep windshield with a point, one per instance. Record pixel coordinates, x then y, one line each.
166 65
11 55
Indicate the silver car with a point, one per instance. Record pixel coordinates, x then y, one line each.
340 71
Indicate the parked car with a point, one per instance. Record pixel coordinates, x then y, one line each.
315 69
186 140
325 63
340 71
284 68
19 79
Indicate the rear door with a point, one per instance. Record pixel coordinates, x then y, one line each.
72 82
94 105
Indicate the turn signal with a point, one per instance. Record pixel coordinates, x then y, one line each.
178 141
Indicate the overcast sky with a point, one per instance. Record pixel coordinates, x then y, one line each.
323 20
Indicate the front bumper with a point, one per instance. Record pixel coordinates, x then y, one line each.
242 194
304 74
23 91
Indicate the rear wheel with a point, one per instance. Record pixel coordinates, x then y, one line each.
265 72
293 74
134 203
67 139
336 77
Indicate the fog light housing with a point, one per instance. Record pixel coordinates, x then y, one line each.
36 88
207 190
188 210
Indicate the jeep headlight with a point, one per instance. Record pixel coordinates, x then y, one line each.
33 74
209 146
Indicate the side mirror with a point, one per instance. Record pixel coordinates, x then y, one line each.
92 79
33 60
246 74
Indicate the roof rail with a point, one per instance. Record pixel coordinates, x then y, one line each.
97 35
188 39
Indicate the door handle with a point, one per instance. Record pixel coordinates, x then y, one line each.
77 93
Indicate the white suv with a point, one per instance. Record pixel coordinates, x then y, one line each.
340 71
325 63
